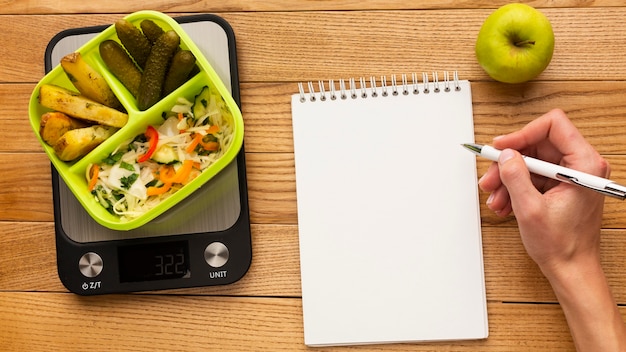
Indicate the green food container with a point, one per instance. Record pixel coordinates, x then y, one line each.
73 173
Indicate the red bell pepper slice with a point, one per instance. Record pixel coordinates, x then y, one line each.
153 137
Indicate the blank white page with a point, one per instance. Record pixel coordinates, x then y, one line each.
388 217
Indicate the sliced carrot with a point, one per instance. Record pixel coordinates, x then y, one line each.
213 129
155 191
210 146
197 138
93 172
167 174
183 172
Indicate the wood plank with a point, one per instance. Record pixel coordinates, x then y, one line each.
78 6
335 44
28 263
56 322
16 133
279 44
266 109
27 194
597 108
511 276
28 257
348 44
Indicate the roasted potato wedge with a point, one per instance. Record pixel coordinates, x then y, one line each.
54 125
76 143
88 81
73 104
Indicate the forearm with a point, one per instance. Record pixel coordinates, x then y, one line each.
590 309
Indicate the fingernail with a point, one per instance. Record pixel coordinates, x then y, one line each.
506 155
481 178
490 199
497 137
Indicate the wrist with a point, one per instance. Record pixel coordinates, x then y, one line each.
573 271
584 294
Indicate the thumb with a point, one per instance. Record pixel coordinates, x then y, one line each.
516 177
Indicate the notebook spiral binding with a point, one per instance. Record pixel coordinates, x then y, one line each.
396 88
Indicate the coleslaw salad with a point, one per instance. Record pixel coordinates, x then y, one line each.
143 172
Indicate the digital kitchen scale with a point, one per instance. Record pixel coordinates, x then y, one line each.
203 241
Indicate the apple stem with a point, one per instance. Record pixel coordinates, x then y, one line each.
524 42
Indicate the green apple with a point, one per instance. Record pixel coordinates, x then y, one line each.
515 44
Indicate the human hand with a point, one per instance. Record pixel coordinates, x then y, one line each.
558 222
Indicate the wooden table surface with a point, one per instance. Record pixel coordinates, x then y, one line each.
279 44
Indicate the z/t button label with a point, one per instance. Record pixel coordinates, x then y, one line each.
91 285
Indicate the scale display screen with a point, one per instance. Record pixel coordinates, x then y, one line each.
158 261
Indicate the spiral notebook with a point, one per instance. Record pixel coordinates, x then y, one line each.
388 214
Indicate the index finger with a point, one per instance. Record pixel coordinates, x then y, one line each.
553 137
554 127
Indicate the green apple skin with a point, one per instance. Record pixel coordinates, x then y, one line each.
515 43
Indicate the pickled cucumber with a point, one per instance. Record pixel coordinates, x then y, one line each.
121 65
180 67
153 77
151 30
134 41
201 103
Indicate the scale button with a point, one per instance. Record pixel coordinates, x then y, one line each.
216 254
90 264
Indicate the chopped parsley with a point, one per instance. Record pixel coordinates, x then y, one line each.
128 181
112 159
126 166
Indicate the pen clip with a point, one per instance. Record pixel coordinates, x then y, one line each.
613 192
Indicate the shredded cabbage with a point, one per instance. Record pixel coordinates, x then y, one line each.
129 188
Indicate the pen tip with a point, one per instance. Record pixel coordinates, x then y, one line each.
472 147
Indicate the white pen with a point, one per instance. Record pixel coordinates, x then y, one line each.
557 172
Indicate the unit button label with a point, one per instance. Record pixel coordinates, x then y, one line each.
216 254
217 274
90 264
